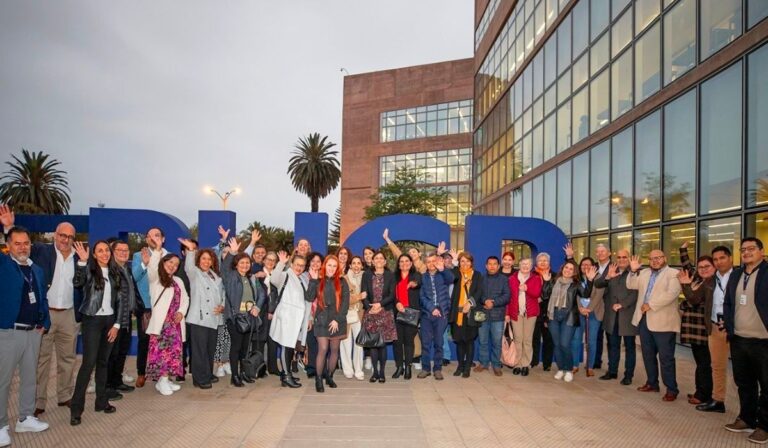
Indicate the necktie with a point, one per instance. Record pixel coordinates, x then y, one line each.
648 290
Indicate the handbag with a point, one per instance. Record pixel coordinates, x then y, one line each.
253 362
147 315
245 322
367 339
475 317
409 316
508 349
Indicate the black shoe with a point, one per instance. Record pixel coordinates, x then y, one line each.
247 378
408 373
374 378
329 381
294 366
459 371
236 381
319 384
214 379
609 376
125 388
626 381
382 379
107 410
113 395
465 374
524 372
180 378
398 372
289 381
517 371
712 406
202 386
547 368
598 366
446 362
533 365
74 421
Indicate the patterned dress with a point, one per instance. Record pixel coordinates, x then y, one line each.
383 321
164 357
223 342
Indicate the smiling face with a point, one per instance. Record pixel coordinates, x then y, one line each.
205 262
121 253
258 254
316 263
603 254
64 237
705 269
723 261
102 254
751 254
622 259
368 256
379 262
414 253
302 247
404 264
19 246
492 266
465 263
343 256
568 270
542 263
657 259
357 265
331 266
298 265
507 262
270 261
525 266
243 266
171 266
585 266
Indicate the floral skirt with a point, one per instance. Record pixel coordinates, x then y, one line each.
164 358
223 341
383 322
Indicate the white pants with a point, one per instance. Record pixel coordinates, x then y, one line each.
351 353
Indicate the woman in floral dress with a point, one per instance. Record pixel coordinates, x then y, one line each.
379 286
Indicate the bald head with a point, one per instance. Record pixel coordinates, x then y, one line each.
657 259
64 237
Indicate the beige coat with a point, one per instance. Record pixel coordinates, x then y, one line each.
664 314
162 301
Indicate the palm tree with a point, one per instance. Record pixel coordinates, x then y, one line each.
273 238
314 168
35 184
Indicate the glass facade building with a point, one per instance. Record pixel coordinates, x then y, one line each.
635 123
427 121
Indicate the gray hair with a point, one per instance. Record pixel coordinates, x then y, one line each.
603 246
545 255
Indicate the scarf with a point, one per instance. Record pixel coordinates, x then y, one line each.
466 283
559 295
355 282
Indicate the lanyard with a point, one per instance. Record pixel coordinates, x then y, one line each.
720 284
745 279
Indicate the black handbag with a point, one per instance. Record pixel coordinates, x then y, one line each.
475 317
409 316
367 339
245 322
253 363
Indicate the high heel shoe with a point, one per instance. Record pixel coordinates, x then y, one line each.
398 373
329 381
408 373
319 384
374 377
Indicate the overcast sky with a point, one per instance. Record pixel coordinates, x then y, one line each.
144 102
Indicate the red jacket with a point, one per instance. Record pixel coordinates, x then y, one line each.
532 295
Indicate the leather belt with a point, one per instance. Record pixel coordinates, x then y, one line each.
23 327
59 309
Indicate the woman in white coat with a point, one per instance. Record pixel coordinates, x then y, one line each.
166 328
289 321
351 353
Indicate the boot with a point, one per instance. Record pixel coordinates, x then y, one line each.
329 381
459 370
407 374
319 384
398 372
287 380
235 381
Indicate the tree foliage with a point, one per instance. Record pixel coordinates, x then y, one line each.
314 168
407 193
273 238
34 184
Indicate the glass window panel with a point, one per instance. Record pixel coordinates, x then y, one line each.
580 106
550 137
646 240
527 153
564 127
527 200
594 240
538 197
598 16
517 202
551 11
757 131
550 100
647 64
721 142
721 232
564 44
621 33
600 54
538 75
599 91
564 197
580 27
647 167
621 181
674 237
518 160
621 240
600 161
617 6
757 226
679 40
538 145
581 194
550 61
550 196
540 22
645 12
581 71
580 248
680 157
621 85
564 87
720 25
758 10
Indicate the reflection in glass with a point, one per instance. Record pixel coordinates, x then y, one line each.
721 232
550 196
538 145
679 40
680 157
594 240
564 127
564 44
580 248
621 240
720 25
599 17
757 226
721 128
674 237
564 197
621 85
621 179
647 166
550 137
538 197
645 12
517 202
527 199
621 33
646 240
581 71
599 89
600 161
600 53
757 131
647 64
581 181
580 115
758 10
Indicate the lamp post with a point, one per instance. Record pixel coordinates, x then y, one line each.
224 197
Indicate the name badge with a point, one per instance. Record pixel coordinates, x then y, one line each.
743 299
32 298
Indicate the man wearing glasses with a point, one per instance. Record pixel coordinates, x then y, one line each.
58 263
746 322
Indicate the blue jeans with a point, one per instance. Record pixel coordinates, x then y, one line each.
562 335
447 343
577 345
432 331
490 335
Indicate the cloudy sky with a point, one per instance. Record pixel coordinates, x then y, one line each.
144 102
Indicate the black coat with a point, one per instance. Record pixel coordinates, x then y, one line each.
616 291
325 315
387 296
413 293
93 296
233 287
761 296
475 293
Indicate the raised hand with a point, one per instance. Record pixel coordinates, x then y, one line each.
684 277
255 237
684 245
81 250
314 274
223 233
634 263
157 241
454 254
568 249
385 235
7 217
234 246
187 243
613 271
439 263
145 255
592 273
282 256
441 248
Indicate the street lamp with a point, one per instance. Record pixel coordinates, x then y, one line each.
224 197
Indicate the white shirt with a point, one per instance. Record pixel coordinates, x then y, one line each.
602 267
718 297
61 292
521 294
106 299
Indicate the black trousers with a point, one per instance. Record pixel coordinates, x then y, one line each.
312 352
96 350
117 356
186 353
749 357
202 348
403 347
703 371
543 346
272 367
238 349
143 347
464 336
599 349
614 352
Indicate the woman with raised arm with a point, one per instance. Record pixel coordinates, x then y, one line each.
105 310
330 321
466 298
379 287
166 326
206 306
223 341
351 353
588 323
407 291
289 321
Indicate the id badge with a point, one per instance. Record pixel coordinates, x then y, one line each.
743 299
32 298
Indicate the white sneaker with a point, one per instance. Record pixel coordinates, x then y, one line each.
128 378
368 365
220 372
174 387
30 424
416 365
348 376
568 377
5 436
163 386
360 376
91 387
559 375
227 368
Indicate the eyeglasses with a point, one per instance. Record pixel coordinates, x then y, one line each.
64 236
271 259
704 268
750 249
660 258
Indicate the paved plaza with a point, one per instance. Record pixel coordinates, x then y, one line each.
482 411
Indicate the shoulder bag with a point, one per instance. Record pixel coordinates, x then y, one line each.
509 354
146 316
477 315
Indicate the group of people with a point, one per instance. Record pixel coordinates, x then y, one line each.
213 311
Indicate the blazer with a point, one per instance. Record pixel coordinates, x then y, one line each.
532 296
703 295
10 293
387 296
161 301
761 296
324 316
615 291
413 293
92 297
596 303
475 293
664 314
44 256
205 293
